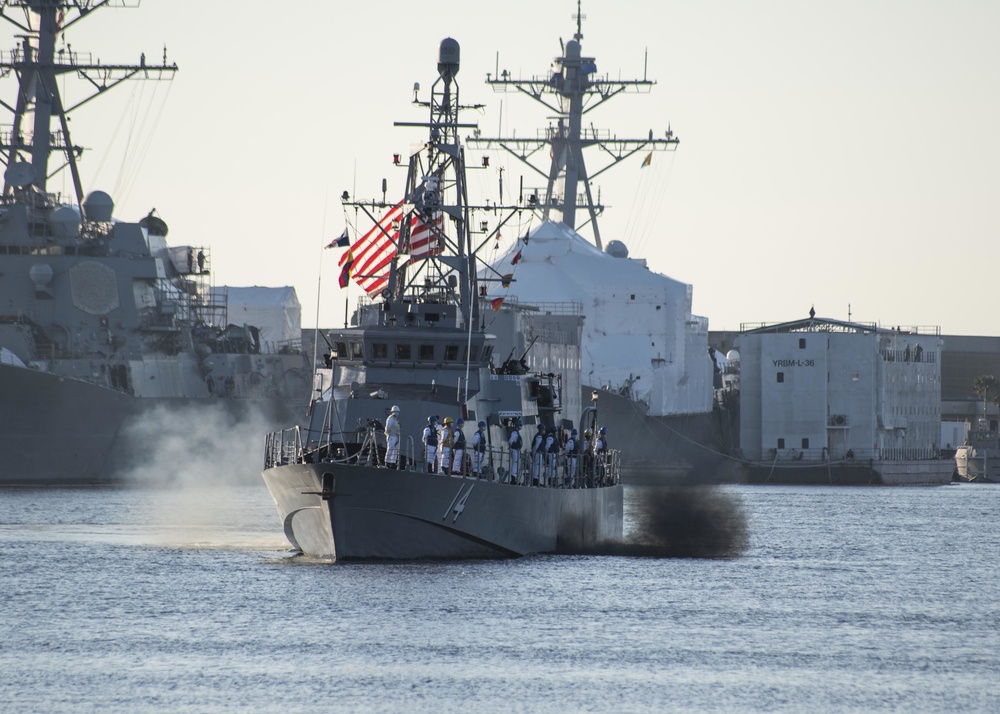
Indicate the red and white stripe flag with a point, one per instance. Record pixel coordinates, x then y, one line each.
424 242
374 251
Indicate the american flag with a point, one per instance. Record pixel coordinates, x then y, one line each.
424 242
373 252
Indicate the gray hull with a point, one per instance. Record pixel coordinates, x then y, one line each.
930 472
59 430
374 513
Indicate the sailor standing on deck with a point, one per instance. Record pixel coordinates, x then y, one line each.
430 439
537 454
392 439
458 449
551 454
588 459
478 449
601 453
572 453
515 444
447 440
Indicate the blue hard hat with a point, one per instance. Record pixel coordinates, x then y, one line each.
573 433
431 419
481 425
602 431
518 422
541 427
460 420
553 430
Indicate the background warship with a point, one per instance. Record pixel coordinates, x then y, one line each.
423 349
642 350
105 330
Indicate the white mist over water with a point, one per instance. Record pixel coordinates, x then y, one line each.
195 466
197 446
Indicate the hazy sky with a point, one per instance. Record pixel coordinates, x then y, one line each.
832 154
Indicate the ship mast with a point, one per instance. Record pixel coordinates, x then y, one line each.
435 201
571 90
28 144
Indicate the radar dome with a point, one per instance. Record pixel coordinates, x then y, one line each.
733 356
98 206
41 275
448 56
64 222
19 174
617 249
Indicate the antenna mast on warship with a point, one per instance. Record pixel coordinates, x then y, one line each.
29 142
433 242
577 89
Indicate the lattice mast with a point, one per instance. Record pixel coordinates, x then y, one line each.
571 90
31 139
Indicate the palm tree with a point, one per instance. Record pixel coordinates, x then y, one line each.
987 388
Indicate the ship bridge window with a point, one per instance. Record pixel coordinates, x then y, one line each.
357 350
341 349
426 353
380 350
487 353
451 353
473 353
403 351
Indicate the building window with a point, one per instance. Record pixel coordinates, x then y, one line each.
426 353
781 443
403 351
781 377
380 350
805 443
451 353
802 343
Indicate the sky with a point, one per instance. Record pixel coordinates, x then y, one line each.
838 155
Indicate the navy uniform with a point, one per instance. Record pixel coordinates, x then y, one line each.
392 439
572 454
551 455
430 439
478 449
538 454
515 444
601 452
447 440
458 449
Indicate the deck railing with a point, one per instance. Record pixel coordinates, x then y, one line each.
556 470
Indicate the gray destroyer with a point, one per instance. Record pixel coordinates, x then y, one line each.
359 481
102 323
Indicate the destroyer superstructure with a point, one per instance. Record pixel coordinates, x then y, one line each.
102 323
359 482
643 350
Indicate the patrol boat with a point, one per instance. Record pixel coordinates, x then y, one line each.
420 349
105 330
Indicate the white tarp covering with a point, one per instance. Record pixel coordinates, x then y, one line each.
638 325
275 311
